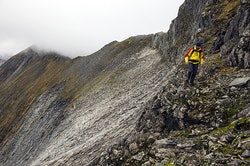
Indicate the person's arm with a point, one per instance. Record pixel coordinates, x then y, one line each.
202 57
187 55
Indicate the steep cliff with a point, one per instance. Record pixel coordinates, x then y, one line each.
127 104
222 26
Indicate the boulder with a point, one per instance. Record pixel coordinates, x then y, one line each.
240 82
246 154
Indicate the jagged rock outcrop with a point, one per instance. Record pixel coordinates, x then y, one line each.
237 37
184 31
227 32
240 82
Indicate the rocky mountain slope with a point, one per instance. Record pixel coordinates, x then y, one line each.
64 109
127 104
1 61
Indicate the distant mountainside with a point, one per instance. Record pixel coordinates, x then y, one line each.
127 104
1 61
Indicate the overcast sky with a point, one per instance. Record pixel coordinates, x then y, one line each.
79 27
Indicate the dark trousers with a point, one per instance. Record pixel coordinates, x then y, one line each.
192 71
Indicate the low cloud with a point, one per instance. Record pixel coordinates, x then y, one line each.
79 27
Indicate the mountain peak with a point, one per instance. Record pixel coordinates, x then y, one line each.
37 51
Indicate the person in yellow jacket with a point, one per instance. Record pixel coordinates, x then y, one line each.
193 58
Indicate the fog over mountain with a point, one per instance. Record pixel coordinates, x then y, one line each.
76 27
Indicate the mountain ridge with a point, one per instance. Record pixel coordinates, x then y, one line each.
1 61
84 80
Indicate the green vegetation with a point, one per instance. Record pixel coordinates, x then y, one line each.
224 130
221 13
228 7
229 149
230 127
235 109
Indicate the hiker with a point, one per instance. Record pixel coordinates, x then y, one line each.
193 58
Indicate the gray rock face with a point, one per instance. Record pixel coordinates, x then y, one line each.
237 38
42 118
174 43
240 82
232 41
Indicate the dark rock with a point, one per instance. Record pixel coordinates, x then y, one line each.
244 113
234 163
165 143
133 148
186 146
237 38
165 153
139 156
148 163
246 154
151 139
245 145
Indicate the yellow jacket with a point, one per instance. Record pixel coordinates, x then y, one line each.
194 55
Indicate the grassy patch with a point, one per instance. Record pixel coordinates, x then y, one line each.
75 87
93 84
229 149
169 164
230 127
215 59
228 6
223 130
185 133
114 77
223 10
235 109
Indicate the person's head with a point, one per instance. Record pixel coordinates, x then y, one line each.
198 44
